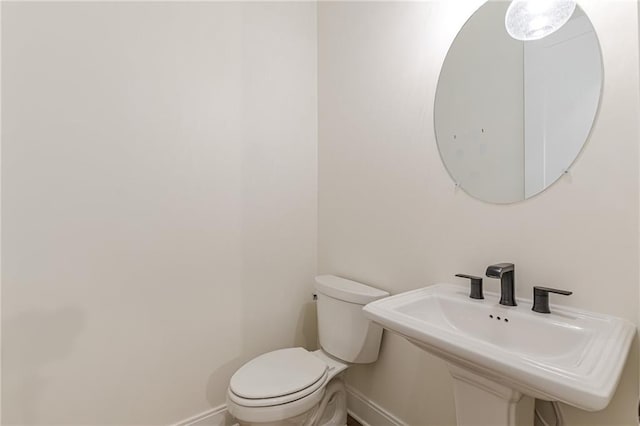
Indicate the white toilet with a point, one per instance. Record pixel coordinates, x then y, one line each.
296 387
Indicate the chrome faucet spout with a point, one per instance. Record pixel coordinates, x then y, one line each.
506 273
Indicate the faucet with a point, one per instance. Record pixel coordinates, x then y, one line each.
506 273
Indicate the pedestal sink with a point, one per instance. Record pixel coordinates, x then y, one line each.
502 357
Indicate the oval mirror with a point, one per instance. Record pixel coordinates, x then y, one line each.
511 116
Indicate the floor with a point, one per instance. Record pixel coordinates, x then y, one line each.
352 422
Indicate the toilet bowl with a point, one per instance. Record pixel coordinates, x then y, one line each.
294 386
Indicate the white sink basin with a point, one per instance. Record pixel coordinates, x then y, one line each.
569 355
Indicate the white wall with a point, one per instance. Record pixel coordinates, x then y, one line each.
389 215
159 203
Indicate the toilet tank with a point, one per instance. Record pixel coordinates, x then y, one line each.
343 330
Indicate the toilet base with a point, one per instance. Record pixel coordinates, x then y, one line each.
330 411
302 419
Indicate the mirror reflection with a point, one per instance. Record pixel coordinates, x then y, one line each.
512 116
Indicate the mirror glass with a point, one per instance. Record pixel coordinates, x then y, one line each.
511 116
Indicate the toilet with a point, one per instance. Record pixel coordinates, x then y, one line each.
296 387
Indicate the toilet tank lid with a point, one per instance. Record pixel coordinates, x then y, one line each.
347 290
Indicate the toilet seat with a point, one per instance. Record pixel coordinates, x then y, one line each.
279 400
278 377
282 372
285 383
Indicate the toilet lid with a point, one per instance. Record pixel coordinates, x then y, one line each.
277 373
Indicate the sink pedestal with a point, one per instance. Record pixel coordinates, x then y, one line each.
483 402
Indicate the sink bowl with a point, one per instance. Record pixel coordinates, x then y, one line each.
570 355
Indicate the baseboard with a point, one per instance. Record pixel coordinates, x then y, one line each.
361 408
217 416
367 412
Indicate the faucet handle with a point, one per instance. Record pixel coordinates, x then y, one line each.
476 286
541 298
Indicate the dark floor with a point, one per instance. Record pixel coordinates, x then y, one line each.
352 422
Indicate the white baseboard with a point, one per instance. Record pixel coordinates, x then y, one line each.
367 412
217 416
361 408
